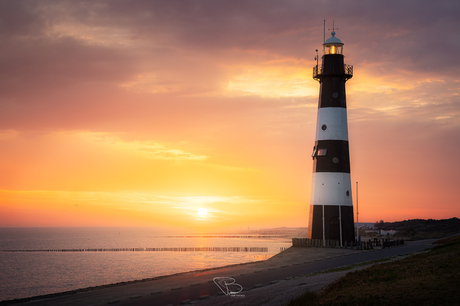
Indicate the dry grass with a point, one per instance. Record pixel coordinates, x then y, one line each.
429 278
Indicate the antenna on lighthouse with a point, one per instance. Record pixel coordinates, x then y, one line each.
316 57
324 31
333 26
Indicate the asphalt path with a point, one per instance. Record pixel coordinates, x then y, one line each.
199 286
271 276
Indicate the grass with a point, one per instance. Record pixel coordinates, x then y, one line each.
417 229
428 278
350 267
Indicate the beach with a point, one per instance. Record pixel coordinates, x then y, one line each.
51 260
271 282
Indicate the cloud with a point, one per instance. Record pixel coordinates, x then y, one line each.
224 87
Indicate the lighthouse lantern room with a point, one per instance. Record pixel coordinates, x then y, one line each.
333 45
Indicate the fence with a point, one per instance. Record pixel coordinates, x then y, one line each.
176 249
359 245
309 243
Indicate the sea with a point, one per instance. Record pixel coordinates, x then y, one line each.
39 261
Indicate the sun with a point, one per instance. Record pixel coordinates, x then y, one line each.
202 212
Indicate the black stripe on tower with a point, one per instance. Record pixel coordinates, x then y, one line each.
332 93
332 226
331 156
332 79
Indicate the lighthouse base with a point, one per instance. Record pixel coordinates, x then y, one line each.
329 228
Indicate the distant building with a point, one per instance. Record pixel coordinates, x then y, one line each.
366 225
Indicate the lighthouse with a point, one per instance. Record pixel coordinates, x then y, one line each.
331 205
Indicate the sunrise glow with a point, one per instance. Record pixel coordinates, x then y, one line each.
202 212
202 115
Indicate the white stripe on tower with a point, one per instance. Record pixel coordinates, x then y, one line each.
331 124
331 188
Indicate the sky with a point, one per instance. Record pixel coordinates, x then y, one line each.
201 114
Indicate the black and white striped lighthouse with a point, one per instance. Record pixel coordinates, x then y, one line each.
331 205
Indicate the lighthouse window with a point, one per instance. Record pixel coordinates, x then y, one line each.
348 193
324 127
322 152
315 150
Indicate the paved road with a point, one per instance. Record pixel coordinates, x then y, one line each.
180 289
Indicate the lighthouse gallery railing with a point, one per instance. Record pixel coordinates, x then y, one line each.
347 70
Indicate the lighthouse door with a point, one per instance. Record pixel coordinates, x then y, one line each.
334 228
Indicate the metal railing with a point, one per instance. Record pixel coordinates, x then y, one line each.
347 70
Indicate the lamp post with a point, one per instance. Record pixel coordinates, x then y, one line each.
357 222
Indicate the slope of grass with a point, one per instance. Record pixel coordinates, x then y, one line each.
429 278
417 229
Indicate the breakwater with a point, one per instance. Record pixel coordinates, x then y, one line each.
227 236
173 249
